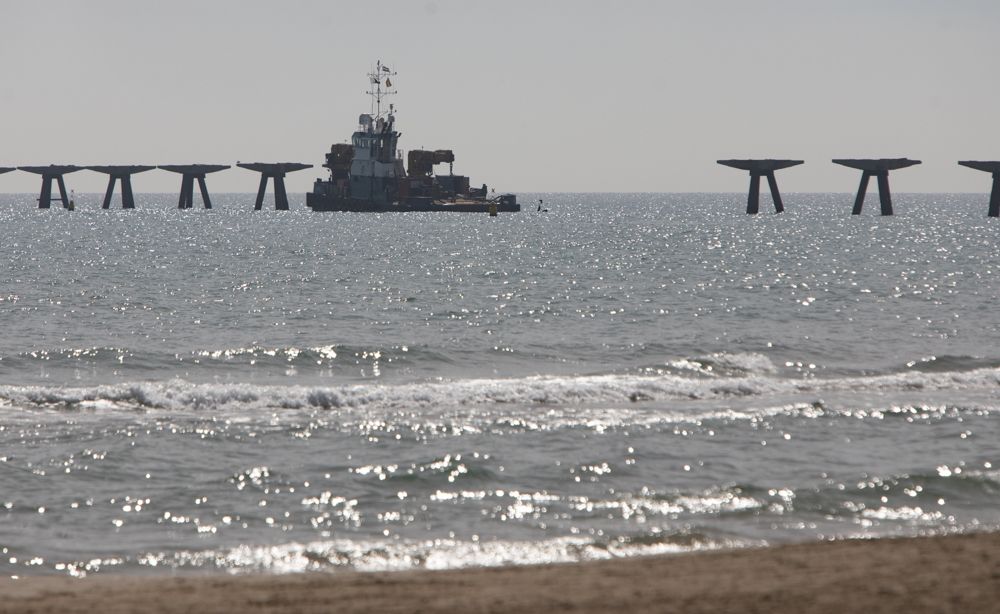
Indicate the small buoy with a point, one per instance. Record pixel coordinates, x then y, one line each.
493 209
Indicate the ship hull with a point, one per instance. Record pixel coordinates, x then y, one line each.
325 202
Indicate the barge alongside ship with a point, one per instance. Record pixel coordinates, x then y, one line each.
368 174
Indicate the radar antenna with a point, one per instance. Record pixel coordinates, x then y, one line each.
381 76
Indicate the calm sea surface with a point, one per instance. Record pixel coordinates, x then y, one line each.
624 375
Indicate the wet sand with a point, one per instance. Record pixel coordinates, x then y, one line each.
937 574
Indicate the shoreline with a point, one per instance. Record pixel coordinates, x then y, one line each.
955 573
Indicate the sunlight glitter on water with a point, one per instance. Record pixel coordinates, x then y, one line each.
627 374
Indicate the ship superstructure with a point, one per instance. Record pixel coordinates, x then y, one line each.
368 174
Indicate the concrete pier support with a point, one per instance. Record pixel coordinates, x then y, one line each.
123 174
277 172
878 168
992 167
758 169
50 173
189 174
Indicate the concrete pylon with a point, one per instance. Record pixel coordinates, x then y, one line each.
877 167
49 173
276 171
189 173
758 169
994 168
124 174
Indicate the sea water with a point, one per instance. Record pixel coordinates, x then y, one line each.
626 374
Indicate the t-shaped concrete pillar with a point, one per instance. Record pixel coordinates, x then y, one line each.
123 173
758 169
994 168
879 168
49 173
189 173
277 172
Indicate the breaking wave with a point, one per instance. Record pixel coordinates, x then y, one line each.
535 391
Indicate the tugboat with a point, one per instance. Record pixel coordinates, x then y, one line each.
368 173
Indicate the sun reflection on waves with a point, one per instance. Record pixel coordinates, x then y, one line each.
429 554
325 352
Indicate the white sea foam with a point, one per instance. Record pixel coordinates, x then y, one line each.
537 391
722 363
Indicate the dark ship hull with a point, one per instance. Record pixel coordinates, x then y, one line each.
329 202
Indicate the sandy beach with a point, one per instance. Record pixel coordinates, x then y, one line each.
937 574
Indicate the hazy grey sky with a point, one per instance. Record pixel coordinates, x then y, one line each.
532 95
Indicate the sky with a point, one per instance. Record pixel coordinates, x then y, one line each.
533 96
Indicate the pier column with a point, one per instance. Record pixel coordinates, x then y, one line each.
995 197
878 168
775 196
859 201
992 167
259 203
758 169
204 192
884 196
109 193
45 197
753 198
189 173
62 192
187 188
277 172
280 196
49 173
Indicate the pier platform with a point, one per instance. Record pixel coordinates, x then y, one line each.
993 167
120 173
191 173
277 172
761 168
877 167
50 173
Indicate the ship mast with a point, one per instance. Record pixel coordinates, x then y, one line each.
379 77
